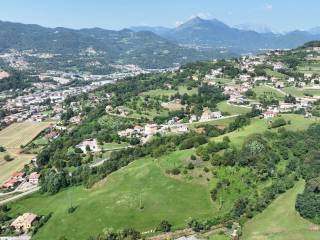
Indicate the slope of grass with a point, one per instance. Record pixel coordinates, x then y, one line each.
268 91
298 122
137 196
280 221
275 73
232 109
301 92
169 92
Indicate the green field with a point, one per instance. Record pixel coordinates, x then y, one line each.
276 74
298 122
301 92
224 122
116 203
232 109
280 221
312 68
114 146
268 91
169 92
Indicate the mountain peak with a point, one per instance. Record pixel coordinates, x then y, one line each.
200 22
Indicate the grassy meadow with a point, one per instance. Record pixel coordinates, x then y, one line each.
232 109
280 221
265 90
298 122
301 92
139 196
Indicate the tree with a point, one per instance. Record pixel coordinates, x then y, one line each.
7 158
2 149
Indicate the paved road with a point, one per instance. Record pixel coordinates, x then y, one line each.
16 197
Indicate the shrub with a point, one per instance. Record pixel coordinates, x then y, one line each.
164 226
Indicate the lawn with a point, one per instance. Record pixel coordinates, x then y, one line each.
280 221
268 91
298 122
139 196
232 109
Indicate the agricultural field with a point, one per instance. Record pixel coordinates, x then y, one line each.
280 221
12 138
20 134
232 109
265 90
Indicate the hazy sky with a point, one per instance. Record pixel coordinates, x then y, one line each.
116 14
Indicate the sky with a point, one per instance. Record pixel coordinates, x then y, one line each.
279 15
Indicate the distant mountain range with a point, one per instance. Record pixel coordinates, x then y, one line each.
216 34
151 47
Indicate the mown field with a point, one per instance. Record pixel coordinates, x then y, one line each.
280 221
18 134
232 109
12 138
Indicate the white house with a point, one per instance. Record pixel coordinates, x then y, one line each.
89 143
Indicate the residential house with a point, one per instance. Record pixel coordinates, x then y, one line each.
24 222
75 120
270 114
90 144
151 129
34 178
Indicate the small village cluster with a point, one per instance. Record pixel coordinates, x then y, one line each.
21 181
